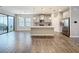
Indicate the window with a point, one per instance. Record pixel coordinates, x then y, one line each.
24 22
5 23
28 22
21 21
1 24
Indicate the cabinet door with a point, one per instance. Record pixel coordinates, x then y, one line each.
47 19
36 19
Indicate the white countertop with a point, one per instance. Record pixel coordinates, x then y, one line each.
42 27
42 34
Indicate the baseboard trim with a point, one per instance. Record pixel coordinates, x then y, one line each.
74 36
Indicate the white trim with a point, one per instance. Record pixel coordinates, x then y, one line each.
74 36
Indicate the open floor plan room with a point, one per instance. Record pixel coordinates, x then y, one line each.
39 29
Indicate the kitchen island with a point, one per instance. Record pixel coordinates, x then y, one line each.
42 31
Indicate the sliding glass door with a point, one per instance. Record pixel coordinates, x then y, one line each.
6 23
3 24
10 23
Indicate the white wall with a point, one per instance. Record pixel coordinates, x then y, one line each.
74 27
56 22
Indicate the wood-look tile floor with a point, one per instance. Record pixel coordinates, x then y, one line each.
15 42
23 42
58 43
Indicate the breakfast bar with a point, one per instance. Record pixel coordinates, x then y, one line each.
42 31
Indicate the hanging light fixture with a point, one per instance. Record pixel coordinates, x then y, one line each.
34 17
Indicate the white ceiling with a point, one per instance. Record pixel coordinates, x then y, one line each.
34 9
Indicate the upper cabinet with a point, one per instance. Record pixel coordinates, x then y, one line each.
45 17
42 20
66 14
48 19
35 19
